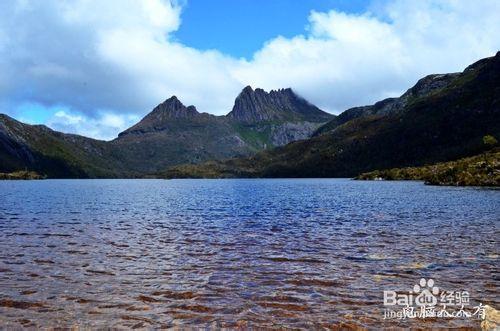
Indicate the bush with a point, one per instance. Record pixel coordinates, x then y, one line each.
489 140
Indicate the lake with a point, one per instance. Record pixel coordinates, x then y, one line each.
304 253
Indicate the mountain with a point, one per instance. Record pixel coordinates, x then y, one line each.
173 133
161 115
392 106
441 118
170 134
282 105
276 118
55 154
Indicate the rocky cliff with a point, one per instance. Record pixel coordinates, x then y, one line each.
252 106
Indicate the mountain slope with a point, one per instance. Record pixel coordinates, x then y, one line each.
55 154
424 87
444 122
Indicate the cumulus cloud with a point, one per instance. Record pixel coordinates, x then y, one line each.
347 60
110 62
51 53
103 125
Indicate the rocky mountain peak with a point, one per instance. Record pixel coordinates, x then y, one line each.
258 105
172 108
430 83
167 111
247 90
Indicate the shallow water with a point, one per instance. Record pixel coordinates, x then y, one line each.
306 253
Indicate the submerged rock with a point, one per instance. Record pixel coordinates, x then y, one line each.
491 319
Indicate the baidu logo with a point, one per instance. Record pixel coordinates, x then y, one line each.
428 293
427 300
424 294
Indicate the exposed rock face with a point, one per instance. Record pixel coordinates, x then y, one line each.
275 118
172 108
173 133
282 105
288 132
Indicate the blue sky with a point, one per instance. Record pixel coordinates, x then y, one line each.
241 27
96 67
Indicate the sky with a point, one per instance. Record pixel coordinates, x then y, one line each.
96 67
252 22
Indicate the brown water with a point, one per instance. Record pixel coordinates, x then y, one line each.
238 253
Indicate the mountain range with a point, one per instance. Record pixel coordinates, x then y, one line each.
441 118
276 134
169 135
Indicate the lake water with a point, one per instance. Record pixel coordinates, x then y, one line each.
305 253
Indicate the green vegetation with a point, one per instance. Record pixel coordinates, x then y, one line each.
489 140
24 175
256 135
55 154
209 169
480 170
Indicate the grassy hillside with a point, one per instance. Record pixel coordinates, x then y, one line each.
480 170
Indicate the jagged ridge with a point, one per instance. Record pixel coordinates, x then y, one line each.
258 105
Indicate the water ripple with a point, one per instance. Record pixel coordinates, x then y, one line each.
237 253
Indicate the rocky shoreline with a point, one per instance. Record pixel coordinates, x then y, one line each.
21 175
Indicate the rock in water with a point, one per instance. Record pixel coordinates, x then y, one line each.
491 321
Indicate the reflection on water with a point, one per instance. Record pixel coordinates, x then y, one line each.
236 253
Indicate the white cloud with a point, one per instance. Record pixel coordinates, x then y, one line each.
118 56
67 118
200 78
349 60
103 126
